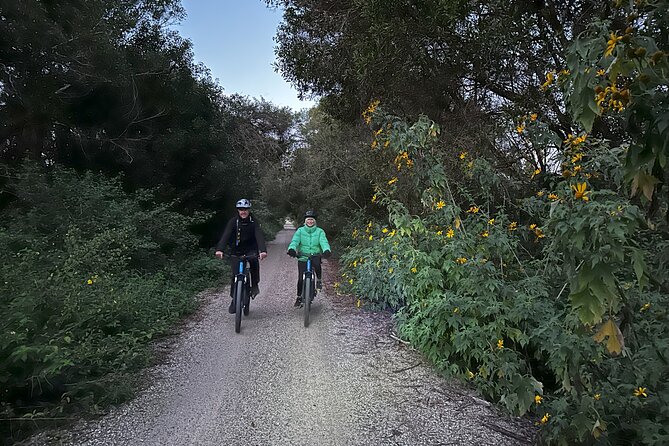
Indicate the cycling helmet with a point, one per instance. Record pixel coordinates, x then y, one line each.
310 214
243 204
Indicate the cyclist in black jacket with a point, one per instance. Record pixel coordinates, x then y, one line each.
242 235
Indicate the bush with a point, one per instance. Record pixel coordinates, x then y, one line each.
90 276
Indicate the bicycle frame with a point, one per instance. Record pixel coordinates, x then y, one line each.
308 288
241 287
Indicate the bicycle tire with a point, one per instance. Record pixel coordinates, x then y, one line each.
247 300
306 299
239 299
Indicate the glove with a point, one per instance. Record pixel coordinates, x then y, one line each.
327 254
291 252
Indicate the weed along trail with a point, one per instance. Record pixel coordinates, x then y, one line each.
345 380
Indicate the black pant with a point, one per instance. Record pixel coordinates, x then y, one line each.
254 266
302 267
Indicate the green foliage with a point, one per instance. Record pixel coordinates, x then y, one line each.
554 314
90 276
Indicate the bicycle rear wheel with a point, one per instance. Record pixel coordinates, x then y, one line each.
306 299
239 302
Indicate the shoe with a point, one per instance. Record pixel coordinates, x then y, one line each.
231 308
254 291
298 301
319 285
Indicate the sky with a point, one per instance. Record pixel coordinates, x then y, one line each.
235 40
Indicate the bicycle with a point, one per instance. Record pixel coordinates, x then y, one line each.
308 287
242 288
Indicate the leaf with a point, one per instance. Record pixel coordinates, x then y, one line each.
639 267
615 342
644 182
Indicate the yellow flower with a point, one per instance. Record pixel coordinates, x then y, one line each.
533 226
485 234
371 237
374 198
336 285
450 233
491 221
89 281
384 230
545 418
440 204
533 117
500 344
577 168
391 233
597 396
553 197
538 399
473 210
645 307
414 270
390 270
463 155
520 128
540 193
550 76
640 392
378 132
387 143
601 72
611 44
470 374
374 143
440 232
577 157
461 260
513 226
470 164
355 264
354 234
580 192
456 310
358 303
535 173
350 281
393 180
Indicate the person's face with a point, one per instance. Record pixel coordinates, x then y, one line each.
309 221
243 213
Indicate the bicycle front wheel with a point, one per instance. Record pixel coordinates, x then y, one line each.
239 302
306 299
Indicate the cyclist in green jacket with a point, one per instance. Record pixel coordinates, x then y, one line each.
308 240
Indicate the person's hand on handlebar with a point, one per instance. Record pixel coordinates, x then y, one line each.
262 255
219 254
291 252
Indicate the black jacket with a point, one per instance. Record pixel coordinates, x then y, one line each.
241 236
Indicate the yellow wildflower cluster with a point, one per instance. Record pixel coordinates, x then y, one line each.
485 234
645 307
513 226
545 418
574 140
500 344
462 155
461 260
640 392
538 399
440 204
473 210
611 97
537 231
92 280
367 114
553 197
535 173
403 158
392 181
450 233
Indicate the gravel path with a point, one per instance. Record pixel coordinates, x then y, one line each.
342 381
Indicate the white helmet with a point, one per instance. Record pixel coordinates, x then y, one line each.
243 204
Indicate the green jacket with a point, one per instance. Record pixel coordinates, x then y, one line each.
309 241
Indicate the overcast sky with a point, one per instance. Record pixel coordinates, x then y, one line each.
234 38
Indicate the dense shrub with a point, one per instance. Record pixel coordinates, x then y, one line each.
89 276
